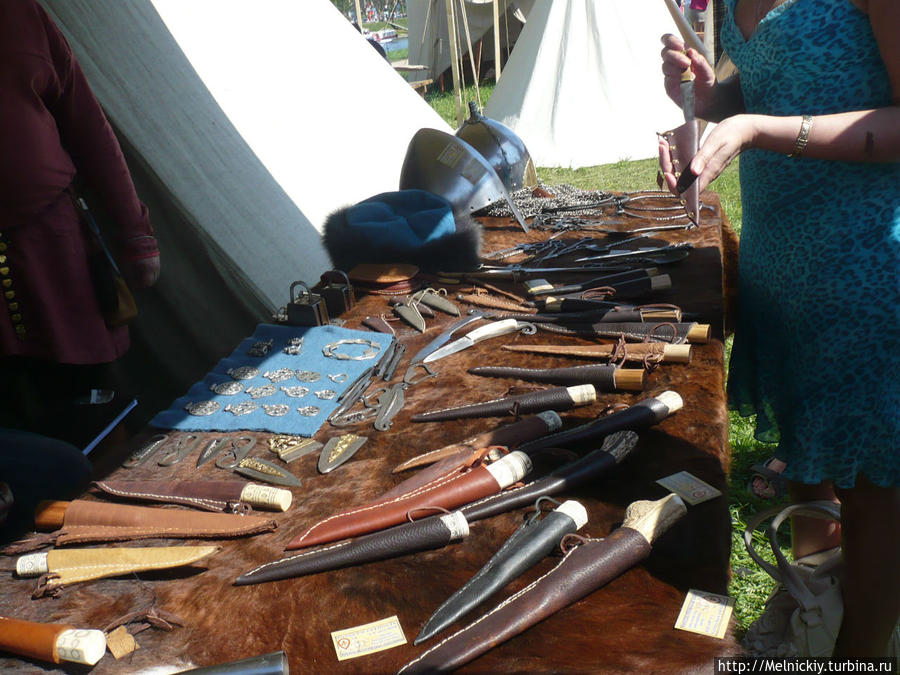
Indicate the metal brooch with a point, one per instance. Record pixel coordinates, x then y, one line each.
308 376
261 391
227 388
242 408
276 409
243 372
372 348
294 347
279 375
308 410
338 377
202 408
260 348
295 392
326 394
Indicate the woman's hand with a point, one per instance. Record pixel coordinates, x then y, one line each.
677 60
722 145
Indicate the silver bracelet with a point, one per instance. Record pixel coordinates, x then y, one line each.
330 350
802 137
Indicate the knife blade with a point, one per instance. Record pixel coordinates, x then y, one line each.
475 336
444 338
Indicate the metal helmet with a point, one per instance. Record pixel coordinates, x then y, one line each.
449 167
500 146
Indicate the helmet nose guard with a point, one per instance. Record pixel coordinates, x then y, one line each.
449 167
501 147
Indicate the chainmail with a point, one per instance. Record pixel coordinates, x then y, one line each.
564 195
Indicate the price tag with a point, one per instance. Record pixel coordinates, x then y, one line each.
690 488
368 638
705 613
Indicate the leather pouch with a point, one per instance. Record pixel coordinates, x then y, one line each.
87 521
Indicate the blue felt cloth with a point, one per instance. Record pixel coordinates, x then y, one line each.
311 358
405 218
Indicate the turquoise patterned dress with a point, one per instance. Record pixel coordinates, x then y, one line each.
817 343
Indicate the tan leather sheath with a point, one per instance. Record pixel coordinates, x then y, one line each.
30 639
87 521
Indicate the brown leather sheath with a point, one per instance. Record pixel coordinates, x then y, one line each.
448 491
208 495
32 640
683 144
99 521
584 569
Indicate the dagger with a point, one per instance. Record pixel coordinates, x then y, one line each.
508 435
209 495
604 377
554 398
528 545
51 642
444 338
586 567
633 351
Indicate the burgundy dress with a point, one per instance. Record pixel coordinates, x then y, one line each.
52 127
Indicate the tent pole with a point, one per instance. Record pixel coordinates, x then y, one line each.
454 63
359 16
496 41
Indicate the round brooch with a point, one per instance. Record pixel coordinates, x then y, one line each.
279 375
295 392
276 409
243 372
308 410
261 391
308 376
326 394
201 408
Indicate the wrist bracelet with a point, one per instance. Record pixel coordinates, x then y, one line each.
802 137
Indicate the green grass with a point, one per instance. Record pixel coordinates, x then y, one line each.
750 585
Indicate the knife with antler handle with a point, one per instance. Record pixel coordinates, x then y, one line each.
208 495
587 565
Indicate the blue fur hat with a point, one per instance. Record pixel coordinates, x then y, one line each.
406 226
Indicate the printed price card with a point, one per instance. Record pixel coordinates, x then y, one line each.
705 613
368 638
690 488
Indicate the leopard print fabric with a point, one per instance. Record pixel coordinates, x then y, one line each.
816 353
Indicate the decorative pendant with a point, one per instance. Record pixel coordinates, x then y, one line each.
326 394
308 376
227 388
308 410
261 391
242 408
260 348
260 469
295 392
338 450
243 372
279 375
276 409
202 408
294 347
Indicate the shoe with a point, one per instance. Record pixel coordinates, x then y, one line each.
766 482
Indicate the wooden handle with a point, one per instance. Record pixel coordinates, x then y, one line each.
699 333
677 353
629 379
690 38
49 515
31 639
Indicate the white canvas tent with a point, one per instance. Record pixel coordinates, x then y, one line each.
244 124
429 34
583 85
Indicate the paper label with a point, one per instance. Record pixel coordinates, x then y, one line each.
705 613
690 488
368 638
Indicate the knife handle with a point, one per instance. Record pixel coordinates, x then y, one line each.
49 515
493 330
51 642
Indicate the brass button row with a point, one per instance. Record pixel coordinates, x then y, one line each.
9 293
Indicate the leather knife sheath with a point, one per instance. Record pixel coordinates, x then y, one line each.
70 566
601 375
670 332
615 448
555 398
421 535
527 546
583 569
208 495
683 144
89 521
451 490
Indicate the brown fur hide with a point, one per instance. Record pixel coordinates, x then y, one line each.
624 627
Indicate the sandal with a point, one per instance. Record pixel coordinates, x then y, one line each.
766 482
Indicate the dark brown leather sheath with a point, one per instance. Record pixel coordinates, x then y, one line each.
30 639
601 375
683 144
453 489
584 569
100 521
556 398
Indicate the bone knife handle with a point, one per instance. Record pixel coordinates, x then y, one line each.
51 642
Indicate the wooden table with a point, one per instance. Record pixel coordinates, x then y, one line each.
626 626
